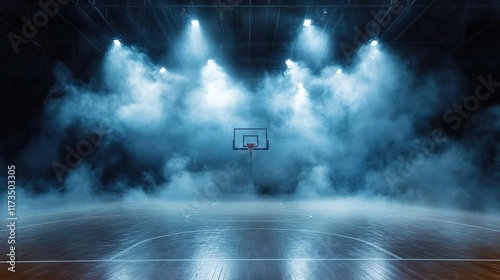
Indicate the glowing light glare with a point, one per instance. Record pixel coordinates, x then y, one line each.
117 42
300 101
374 43
163 70
195 22
339 71
290 64
210 62
307 22
196 45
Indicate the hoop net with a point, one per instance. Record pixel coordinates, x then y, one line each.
250 147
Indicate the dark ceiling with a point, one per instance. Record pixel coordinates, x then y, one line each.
249 37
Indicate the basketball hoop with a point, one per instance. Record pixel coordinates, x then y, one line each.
255 136
250 147
250 139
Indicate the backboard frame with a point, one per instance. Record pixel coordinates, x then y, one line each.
250 133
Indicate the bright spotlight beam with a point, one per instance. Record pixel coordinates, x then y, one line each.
307 22
195 22
117 42
290 64
374 43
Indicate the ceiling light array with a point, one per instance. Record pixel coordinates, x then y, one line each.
307 22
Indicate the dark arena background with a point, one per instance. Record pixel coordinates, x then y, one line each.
250 139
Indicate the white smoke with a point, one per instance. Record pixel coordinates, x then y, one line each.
168 134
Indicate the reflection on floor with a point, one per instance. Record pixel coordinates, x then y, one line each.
257 239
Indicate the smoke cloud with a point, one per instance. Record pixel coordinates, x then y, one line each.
134 131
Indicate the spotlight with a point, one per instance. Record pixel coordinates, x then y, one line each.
195 22
117 42
288 62
300 85
307 22
339 71
163 70
374 43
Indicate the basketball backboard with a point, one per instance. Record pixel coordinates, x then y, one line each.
255 136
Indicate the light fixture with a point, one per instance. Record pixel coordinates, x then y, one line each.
163 70
307 22
195 22
374 43
339 71
117 42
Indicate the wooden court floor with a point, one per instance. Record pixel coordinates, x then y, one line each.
255 239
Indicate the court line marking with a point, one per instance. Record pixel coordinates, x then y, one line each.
434 219
82 218
462 224
244 259
128 205
458 213
250 221
103 216
275 229
78 209
99 216
65 211
153 238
